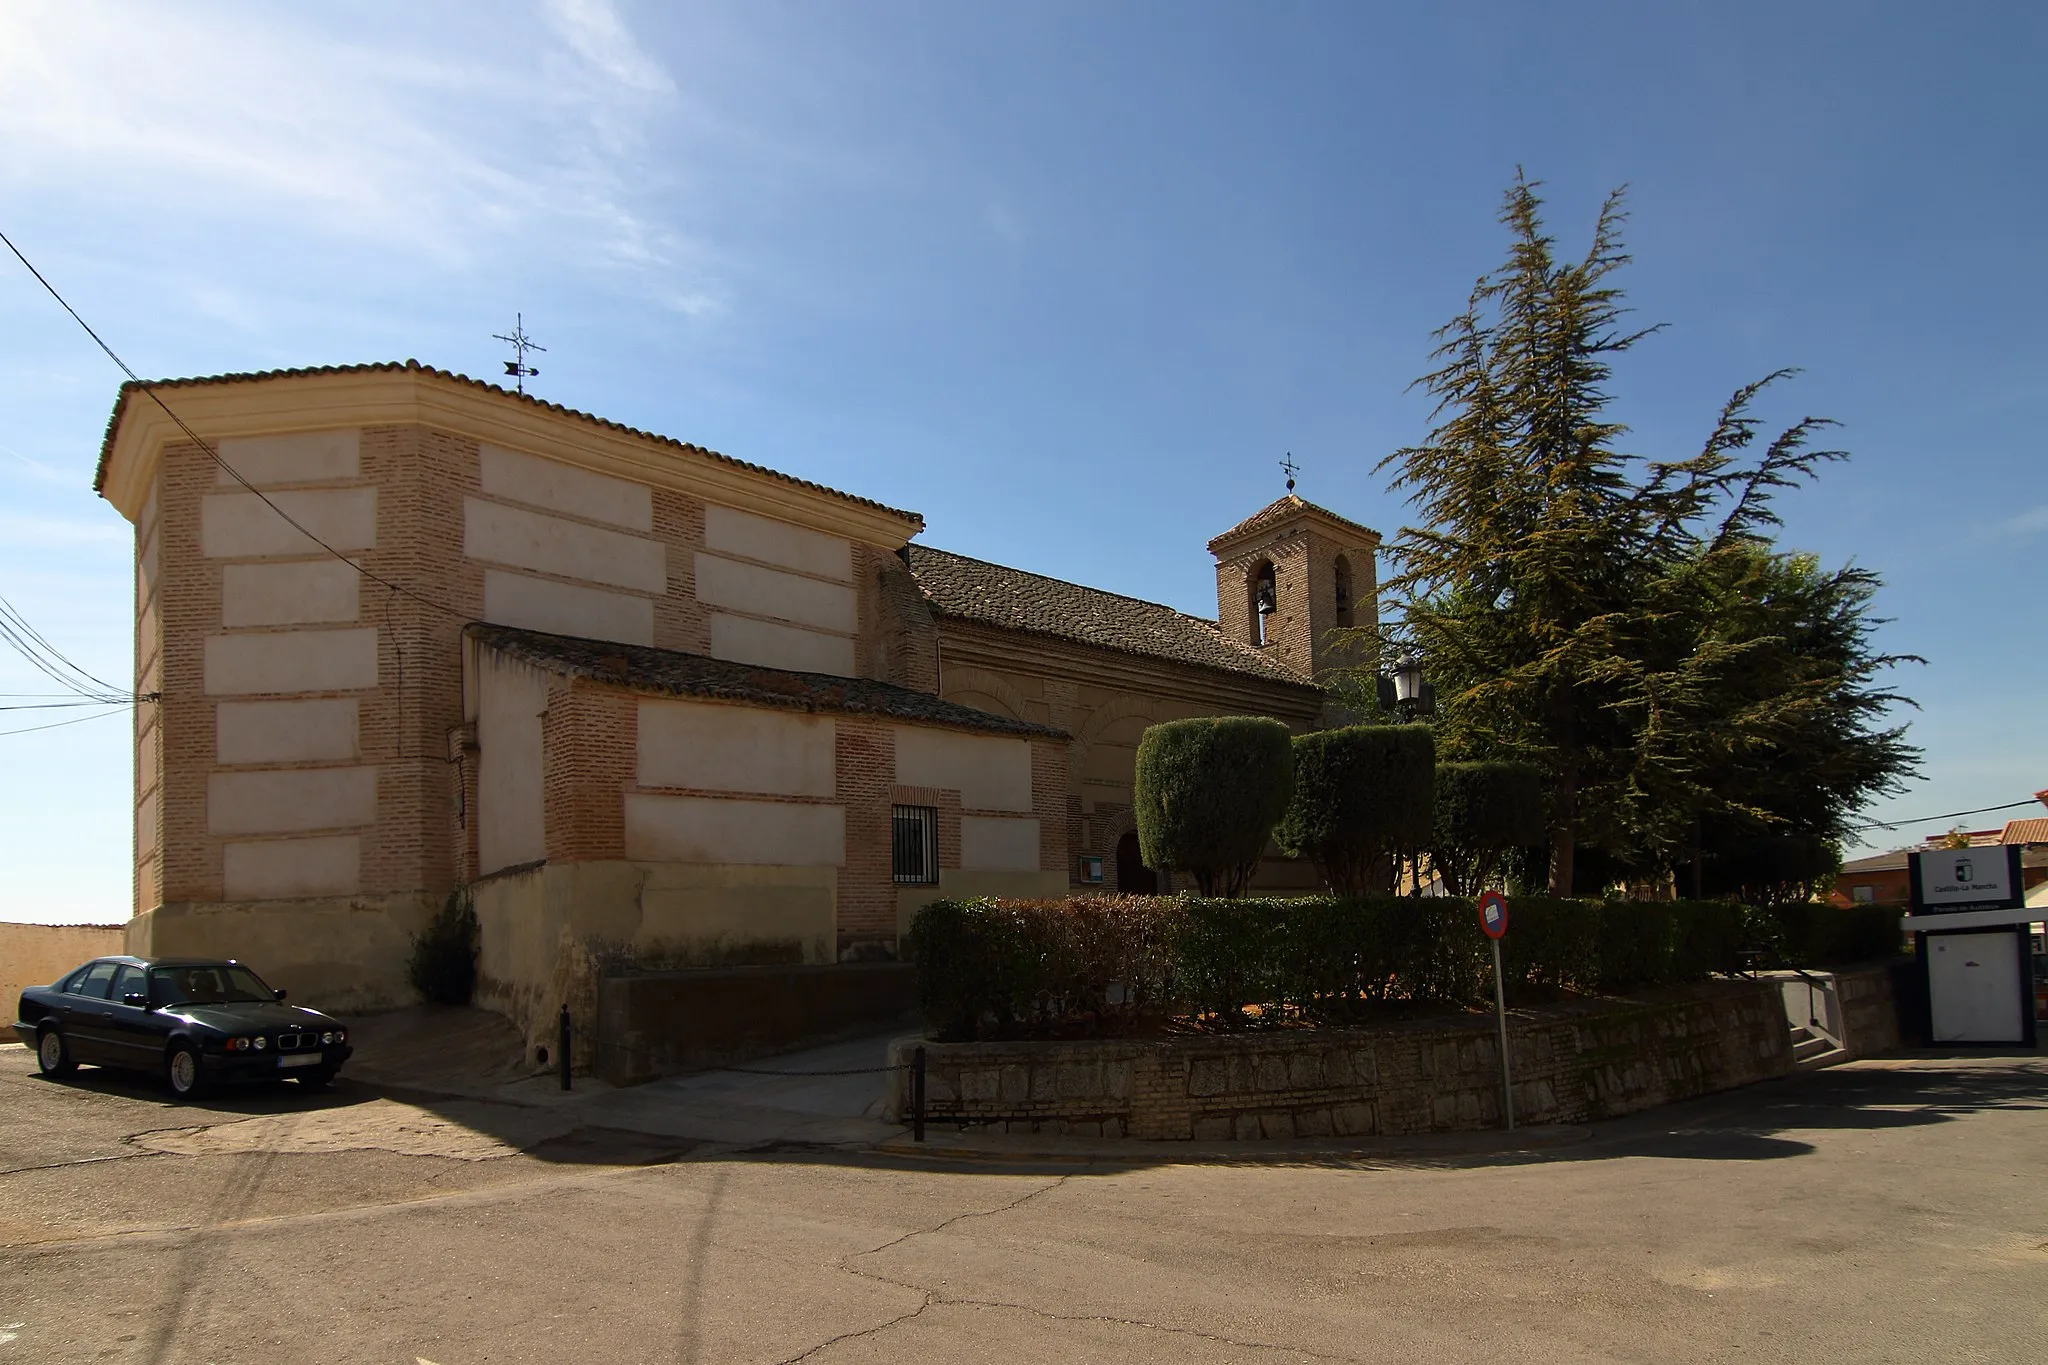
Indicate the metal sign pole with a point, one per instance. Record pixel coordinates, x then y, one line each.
1500 1014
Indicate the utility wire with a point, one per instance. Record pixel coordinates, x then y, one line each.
116 710
211 453
61 705
1981 810
51 661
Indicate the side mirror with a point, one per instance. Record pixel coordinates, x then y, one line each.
137 999
277 994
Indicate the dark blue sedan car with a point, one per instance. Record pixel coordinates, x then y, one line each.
193 1021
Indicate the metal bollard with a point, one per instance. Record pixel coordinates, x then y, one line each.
563 1048
917 1095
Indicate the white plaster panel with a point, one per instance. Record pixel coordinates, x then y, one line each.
147 756
290 800
777 646
998 843
278 868
303 457
771 592
307 593
735 749
989 771
709 829
512 599
146 825
777 542
244 526
512 814
312 731
291 661
148 561
532 540
565 488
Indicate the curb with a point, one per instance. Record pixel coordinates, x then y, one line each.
1020 1147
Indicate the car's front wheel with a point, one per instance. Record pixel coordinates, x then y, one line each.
181 1071
53 1057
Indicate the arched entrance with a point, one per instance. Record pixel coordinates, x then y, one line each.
1133 878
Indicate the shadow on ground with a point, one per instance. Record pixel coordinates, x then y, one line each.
452 1083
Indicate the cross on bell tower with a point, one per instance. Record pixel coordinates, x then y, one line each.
520 343
1291 468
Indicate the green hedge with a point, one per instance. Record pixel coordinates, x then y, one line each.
992 968
1115 964
1815 934
1206 794
1362 795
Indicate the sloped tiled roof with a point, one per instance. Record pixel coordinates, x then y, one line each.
671 672
2034 831
134 390
976 590
1276 512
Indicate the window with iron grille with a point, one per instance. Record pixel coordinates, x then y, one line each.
916 845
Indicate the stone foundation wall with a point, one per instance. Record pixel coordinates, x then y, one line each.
1571 1063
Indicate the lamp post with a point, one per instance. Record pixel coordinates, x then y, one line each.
1407 686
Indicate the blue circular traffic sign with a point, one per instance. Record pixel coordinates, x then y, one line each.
1493 914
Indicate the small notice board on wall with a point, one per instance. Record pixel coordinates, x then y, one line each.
1969 924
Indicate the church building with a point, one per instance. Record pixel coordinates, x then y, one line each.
406 634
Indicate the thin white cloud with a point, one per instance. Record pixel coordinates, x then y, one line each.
593 28
2027 523
53 533
253 116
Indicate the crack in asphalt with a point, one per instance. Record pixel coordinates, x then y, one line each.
931 1297
81 1161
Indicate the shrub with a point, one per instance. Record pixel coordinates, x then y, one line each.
1361 795
1814 933
1207 794
443 966
1771 869
1100 964
1484 811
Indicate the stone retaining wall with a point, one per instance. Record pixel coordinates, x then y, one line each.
1571 1063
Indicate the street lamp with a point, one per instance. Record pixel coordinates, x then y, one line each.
1407 686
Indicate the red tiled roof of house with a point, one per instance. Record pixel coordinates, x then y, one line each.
2033 831
1278 511
133 389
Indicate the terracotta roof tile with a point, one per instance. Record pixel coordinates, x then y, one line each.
133 389
1276 512
671 672
990 594
2034 831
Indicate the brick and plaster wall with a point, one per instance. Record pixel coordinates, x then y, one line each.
1105 703
1597 1059
309 756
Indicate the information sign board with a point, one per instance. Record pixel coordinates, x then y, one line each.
1984 878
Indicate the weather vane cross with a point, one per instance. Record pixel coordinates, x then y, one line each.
521 343
1292 469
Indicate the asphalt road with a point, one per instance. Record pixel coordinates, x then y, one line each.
1890 1211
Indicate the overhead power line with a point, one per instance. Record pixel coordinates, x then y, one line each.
52 662
115 709
1951 815
206 446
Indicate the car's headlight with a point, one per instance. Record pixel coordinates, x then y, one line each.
262 1042
327 1037
341 1035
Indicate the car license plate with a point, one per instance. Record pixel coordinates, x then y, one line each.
303 1059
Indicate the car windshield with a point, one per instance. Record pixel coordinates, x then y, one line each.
211 983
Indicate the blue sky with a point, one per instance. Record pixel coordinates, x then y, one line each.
1067 278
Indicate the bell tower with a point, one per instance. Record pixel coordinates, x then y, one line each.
1288 575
